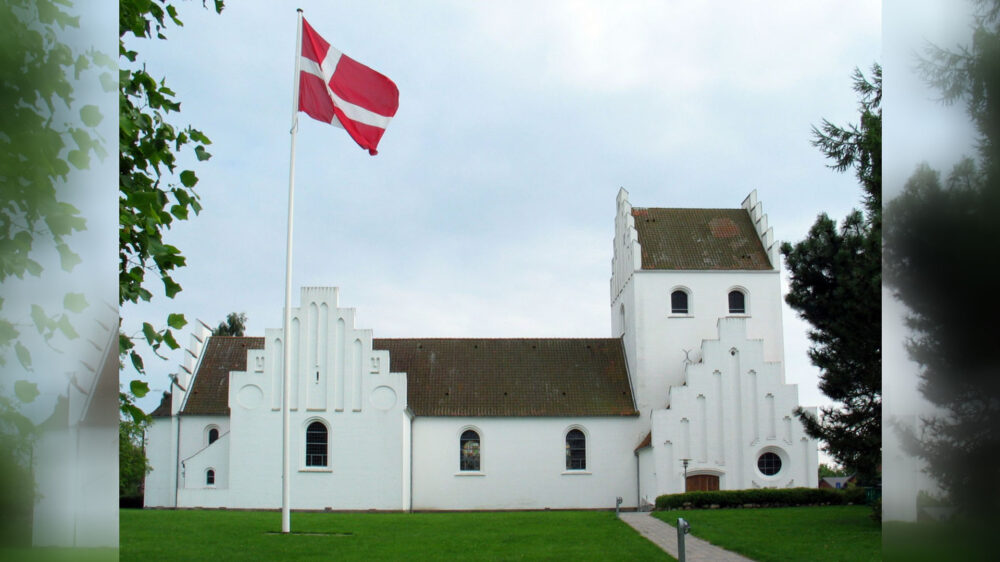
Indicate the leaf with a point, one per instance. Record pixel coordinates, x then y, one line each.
33 267
170 287
139 388
23 355
188 178
67 258
150 333
66 328
137 415
91 115
75 302
176 321
108 83
201 153
136 361
79 159
26 391
41 320
168 338
124 343
7 332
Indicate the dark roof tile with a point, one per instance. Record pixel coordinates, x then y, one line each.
513 377
163 410
699 239
209 392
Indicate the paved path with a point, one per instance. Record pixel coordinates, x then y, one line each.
665 537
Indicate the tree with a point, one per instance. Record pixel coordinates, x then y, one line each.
835 285
941 262
827 470
47 135
234 325
152 195
132 463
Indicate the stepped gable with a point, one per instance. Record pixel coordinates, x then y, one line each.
513 377
699 239
209 392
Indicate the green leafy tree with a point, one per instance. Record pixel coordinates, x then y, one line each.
941 262
234 325
47 135
835 285
153 193
132 463
827 470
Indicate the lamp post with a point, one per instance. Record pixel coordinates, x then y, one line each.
685 462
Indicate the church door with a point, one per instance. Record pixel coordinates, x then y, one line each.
702 483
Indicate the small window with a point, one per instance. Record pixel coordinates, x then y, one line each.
316 444
210 478
679 302
469 450
576 450
737 302
769 464
213 435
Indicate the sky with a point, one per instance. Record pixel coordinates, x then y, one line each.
489 210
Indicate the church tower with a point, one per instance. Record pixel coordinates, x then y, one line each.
696 299
675 273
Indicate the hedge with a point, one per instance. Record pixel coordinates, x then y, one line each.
761 497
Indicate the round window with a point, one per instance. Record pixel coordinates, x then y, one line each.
769 464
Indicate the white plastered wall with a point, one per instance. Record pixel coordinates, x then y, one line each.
733 408
523 464
339 381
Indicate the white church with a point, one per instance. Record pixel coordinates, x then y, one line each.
688 394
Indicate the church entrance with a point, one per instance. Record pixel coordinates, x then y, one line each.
702 483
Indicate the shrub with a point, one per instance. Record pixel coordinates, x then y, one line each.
877 511
758 497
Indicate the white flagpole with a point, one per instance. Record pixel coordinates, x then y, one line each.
286 463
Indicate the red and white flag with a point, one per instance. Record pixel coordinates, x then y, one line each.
337 89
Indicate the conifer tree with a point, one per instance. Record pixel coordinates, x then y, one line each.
835 285
941 261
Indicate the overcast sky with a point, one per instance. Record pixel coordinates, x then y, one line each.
489 210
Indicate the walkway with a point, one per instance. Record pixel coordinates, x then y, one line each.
665 537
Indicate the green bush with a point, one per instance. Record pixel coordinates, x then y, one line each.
759 497
855 494
877 511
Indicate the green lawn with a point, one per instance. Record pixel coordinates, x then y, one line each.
919 542
788 533
243 535
52 554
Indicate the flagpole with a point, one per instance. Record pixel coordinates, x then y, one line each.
286 463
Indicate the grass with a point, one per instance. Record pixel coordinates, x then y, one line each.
240 535
829 533
53 554
919 542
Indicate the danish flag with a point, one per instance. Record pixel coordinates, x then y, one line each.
336 89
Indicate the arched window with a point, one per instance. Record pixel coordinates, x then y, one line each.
737 302
316 444
469 450
213 435
576 450
210 477
679 302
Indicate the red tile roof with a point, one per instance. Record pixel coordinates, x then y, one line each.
646 442
209 392
513 377
466 377
699 239
163 410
